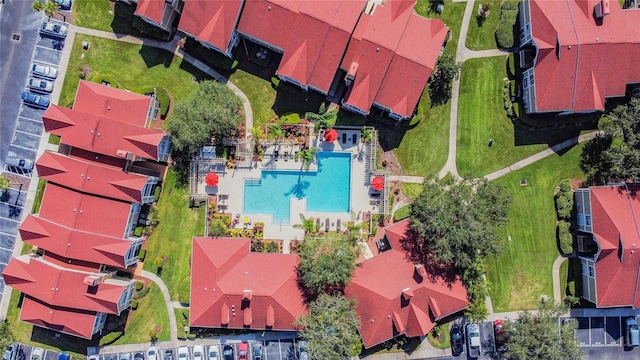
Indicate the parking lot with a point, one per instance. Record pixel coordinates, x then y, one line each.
23 352
600 331
271 350
23 144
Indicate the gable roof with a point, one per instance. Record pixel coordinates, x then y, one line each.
390 303
151 9
616 226
88 213
90 177
101 134
74 244
312 35
69 321
235 288
211 21
396 50
61 287
112 103
576 55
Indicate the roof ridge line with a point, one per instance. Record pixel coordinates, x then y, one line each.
633 213
578 44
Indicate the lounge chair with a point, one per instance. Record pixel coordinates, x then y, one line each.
326 224
286 156
295 157
344 138
275 154
354 137
338 224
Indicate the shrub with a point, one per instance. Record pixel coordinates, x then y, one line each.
506 98
141 293
163 98
184 290
139 285
563 208
273 247
134 304
291 119
191 336
156 193
138 231
565 238
142 254
504 31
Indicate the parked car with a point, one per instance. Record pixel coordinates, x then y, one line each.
183 353
632 335
37 354
152 353
256 351
138 356
214 352
124 356
473 340
457 340
40 84
168 354
35 99
64 4
302 350
94 357
198 352
498 333
243 351
54 29
44 71
227 352
64 356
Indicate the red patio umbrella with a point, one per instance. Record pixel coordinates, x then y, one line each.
331 135
211 179
377 183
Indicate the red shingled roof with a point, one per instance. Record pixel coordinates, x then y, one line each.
312 35
151 9
69 321
577 75
74 244
111 103
83 212
210 21
60 287
390 303
615 212
90 177
395 50
100 134
223 272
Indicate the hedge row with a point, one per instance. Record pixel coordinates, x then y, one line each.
565 238
564 200
508 17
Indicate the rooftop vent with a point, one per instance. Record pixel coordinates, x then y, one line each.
351 74
92 280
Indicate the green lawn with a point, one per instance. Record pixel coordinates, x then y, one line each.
411 190
93 14
260 93
132 66
481 117
172 238
481 35
151 313
522 273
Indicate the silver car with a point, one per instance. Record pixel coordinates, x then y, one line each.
55 29
44 71
40 85
473 340
13 160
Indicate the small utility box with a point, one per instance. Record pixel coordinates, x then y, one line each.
85 45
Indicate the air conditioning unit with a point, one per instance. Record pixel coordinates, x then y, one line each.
92 280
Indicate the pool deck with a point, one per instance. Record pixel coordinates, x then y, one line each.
230 190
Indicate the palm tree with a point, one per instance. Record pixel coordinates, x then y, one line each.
323 118
307 156
308 225
366 135
49 7
275 131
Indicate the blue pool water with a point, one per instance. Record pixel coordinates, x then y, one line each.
327 190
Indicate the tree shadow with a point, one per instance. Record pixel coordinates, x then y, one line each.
480 20
390 134
125 22
290 98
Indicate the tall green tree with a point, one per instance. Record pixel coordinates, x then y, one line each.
49 7
457 221
537 336
331 329
212 113
323 118
447 69
326 264
615 155
6 337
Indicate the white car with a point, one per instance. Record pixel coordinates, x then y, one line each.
54 29
152 353
44 71
183 353
40 85
198 352
473 340
37 354
214 352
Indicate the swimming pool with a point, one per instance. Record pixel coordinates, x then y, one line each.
327 190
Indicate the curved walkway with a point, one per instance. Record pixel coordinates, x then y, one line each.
172 47
167 300
557 291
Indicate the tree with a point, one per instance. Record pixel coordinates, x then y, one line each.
615 155
536 335
5 183
212 113
457 221
331 329
323 118
367 135
447 69
326 264
308 225
307 155
49 7
6 337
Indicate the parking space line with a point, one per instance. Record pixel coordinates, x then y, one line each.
22 147
2 217
47 48
4 248
44 62
26 133
30 119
